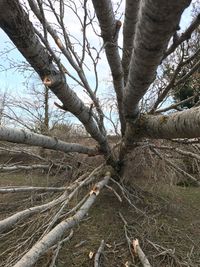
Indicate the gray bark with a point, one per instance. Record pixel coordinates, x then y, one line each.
131 13
31 189
184 124
15 22
9 222
109 32
157 22
75 63
4 168
97 258
29 138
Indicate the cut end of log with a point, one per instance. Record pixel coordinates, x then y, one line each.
135 244
47 81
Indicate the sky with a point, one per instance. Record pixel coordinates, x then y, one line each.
13 81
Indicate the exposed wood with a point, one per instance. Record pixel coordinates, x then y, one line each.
139 252
66 52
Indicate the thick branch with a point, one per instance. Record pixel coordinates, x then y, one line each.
109 32
99 254
31 189
138 251
31 257
33 139
15 22
157 22
5 168
184 124
131 13
9 222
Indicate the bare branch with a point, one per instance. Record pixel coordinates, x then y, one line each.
184 36
33 139
8 222
30 189
138 251
31 257
109 30
66 53
130 21
7 168
184 173
175 105
23 36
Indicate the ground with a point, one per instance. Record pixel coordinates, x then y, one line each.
165 218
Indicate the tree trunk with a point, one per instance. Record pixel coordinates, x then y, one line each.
157 22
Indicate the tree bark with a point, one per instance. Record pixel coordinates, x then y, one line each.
29 138
130 21
30 189
109 31
15 23
9 222
4 168
184 124
157 22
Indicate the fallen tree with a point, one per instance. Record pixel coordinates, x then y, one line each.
24 137
143 75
